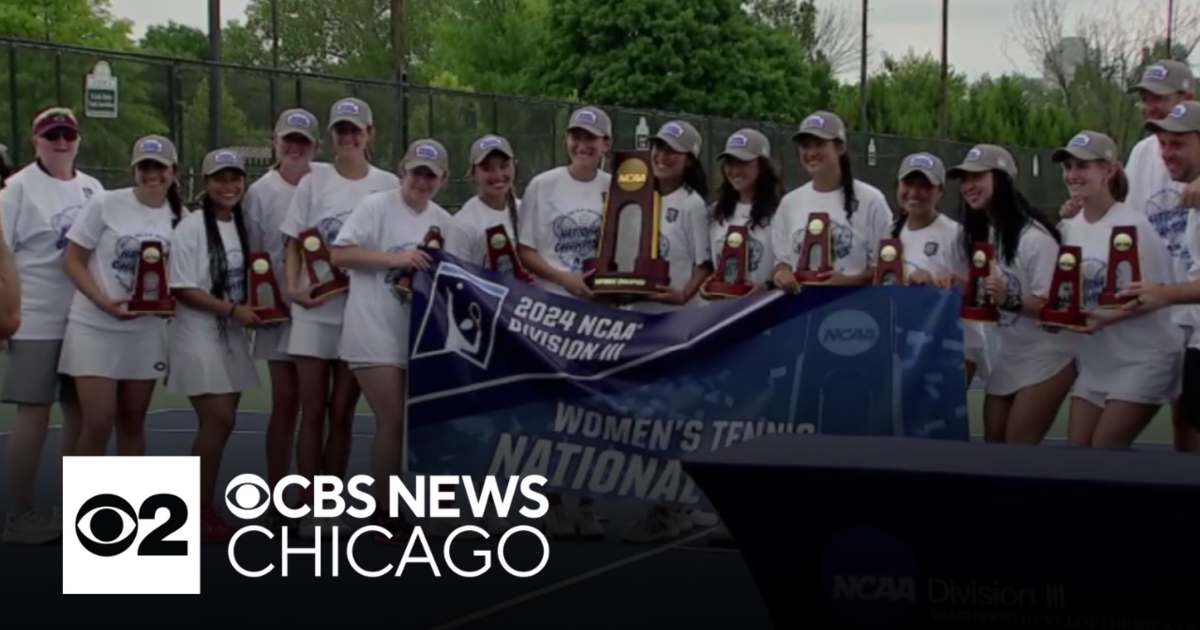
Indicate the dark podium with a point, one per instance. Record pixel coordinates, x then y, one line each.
863 532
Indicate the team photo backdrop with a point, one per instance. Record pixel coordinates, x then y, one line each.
506 378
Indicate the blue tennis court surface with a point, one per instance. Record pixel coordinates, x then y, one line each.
586 584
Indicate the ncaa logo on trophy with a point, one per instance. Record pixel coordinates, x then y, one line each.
461 318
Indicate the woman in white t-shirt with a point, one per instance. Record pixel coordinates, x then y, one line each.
558 233
1132 361
208 341
378 243
494 169
266 206
1034 366
859 212
323 201
116 356
748 197
932 254
37 207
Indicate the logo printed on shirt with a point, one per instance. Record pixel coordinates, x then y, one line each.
576 234
672 214
931 248
1170 221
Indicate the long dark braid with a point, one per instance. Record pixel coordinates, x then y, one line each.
898 224
849 199
175 200
218 260
510 200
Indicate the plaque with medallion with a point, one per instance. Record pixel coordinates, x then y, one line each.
323 278
729 279
889 268
151 294
815 258
977 305
433 240
502 253
1124 266
266 298
628 265
1063 306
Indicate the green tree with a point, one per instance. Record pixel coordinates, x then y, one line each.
175 40
489 45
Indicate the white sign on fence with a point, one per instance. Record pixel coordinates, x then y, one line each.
100 92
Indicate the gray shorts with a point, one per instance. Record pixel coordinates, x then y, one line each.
31 374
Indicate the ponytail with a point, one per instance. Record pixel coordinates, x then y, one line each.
511 201
898 224
218 259
849 200
175 200
1118 184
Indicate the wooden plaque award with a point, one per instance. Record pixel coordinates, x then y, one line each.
1124 265
151 293
628 265
815 249
889 268
502 254
1064 304
266 299
323 278
433 240
977 305
729 277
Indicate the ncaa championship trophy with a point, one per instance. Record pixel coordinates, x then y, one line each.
1063 305
729 278
889 268
433 240
814 251
323 278
502 254
266 299
151 294
628 266
977 305
1124 265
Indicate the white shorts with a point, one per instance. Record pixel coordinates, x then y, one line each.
1011 373
362 366
314 339
202 366
270 344
1156 383
121 356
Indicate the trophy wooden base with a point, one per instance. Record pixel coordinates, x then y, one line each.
725 290
1073 320
983 314
1110 300
629 286
333 287
162 308
810 277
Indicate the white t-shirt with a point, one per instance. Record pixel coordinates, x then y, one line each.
855 240
937 249
1152 191
113 226
560 219
266 206
36 212
473 220
1145 338
190 269
1032 272
760 266
324 200
682 242
377 317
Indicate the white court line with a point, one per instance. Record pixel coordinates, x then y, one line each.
580 577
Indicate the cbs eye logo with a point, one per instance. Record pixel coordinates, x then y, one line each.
107 525
247 497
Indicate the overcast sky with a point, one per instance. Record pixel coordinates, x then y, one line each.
978 28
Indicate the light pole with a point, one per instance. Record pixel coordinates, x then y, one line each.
862 73
214 74
945 70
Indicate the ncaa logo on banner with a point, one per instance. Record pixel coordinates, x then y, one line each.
132 526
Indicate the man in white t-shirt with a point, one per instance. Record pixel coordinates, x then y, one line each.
1164 85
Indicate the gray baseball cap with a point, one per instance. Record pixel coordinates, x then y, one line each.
297 121
985 157
746 145
592 120
823 125
926 164
154 148
1090 146
681 136
1183 118
222 159
428 153
351 110
489 144
1165 77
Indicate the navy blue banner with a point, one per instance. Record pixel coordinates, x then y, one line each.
508 379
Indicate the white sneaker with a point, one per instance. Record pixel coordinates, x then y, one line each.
557 525
588 523
682 521
703 519
31 528
653 526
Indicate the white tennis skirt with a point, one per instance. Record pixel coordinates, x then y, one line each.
1155 382
314 339
201 366
1014 372
270 344
121 356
